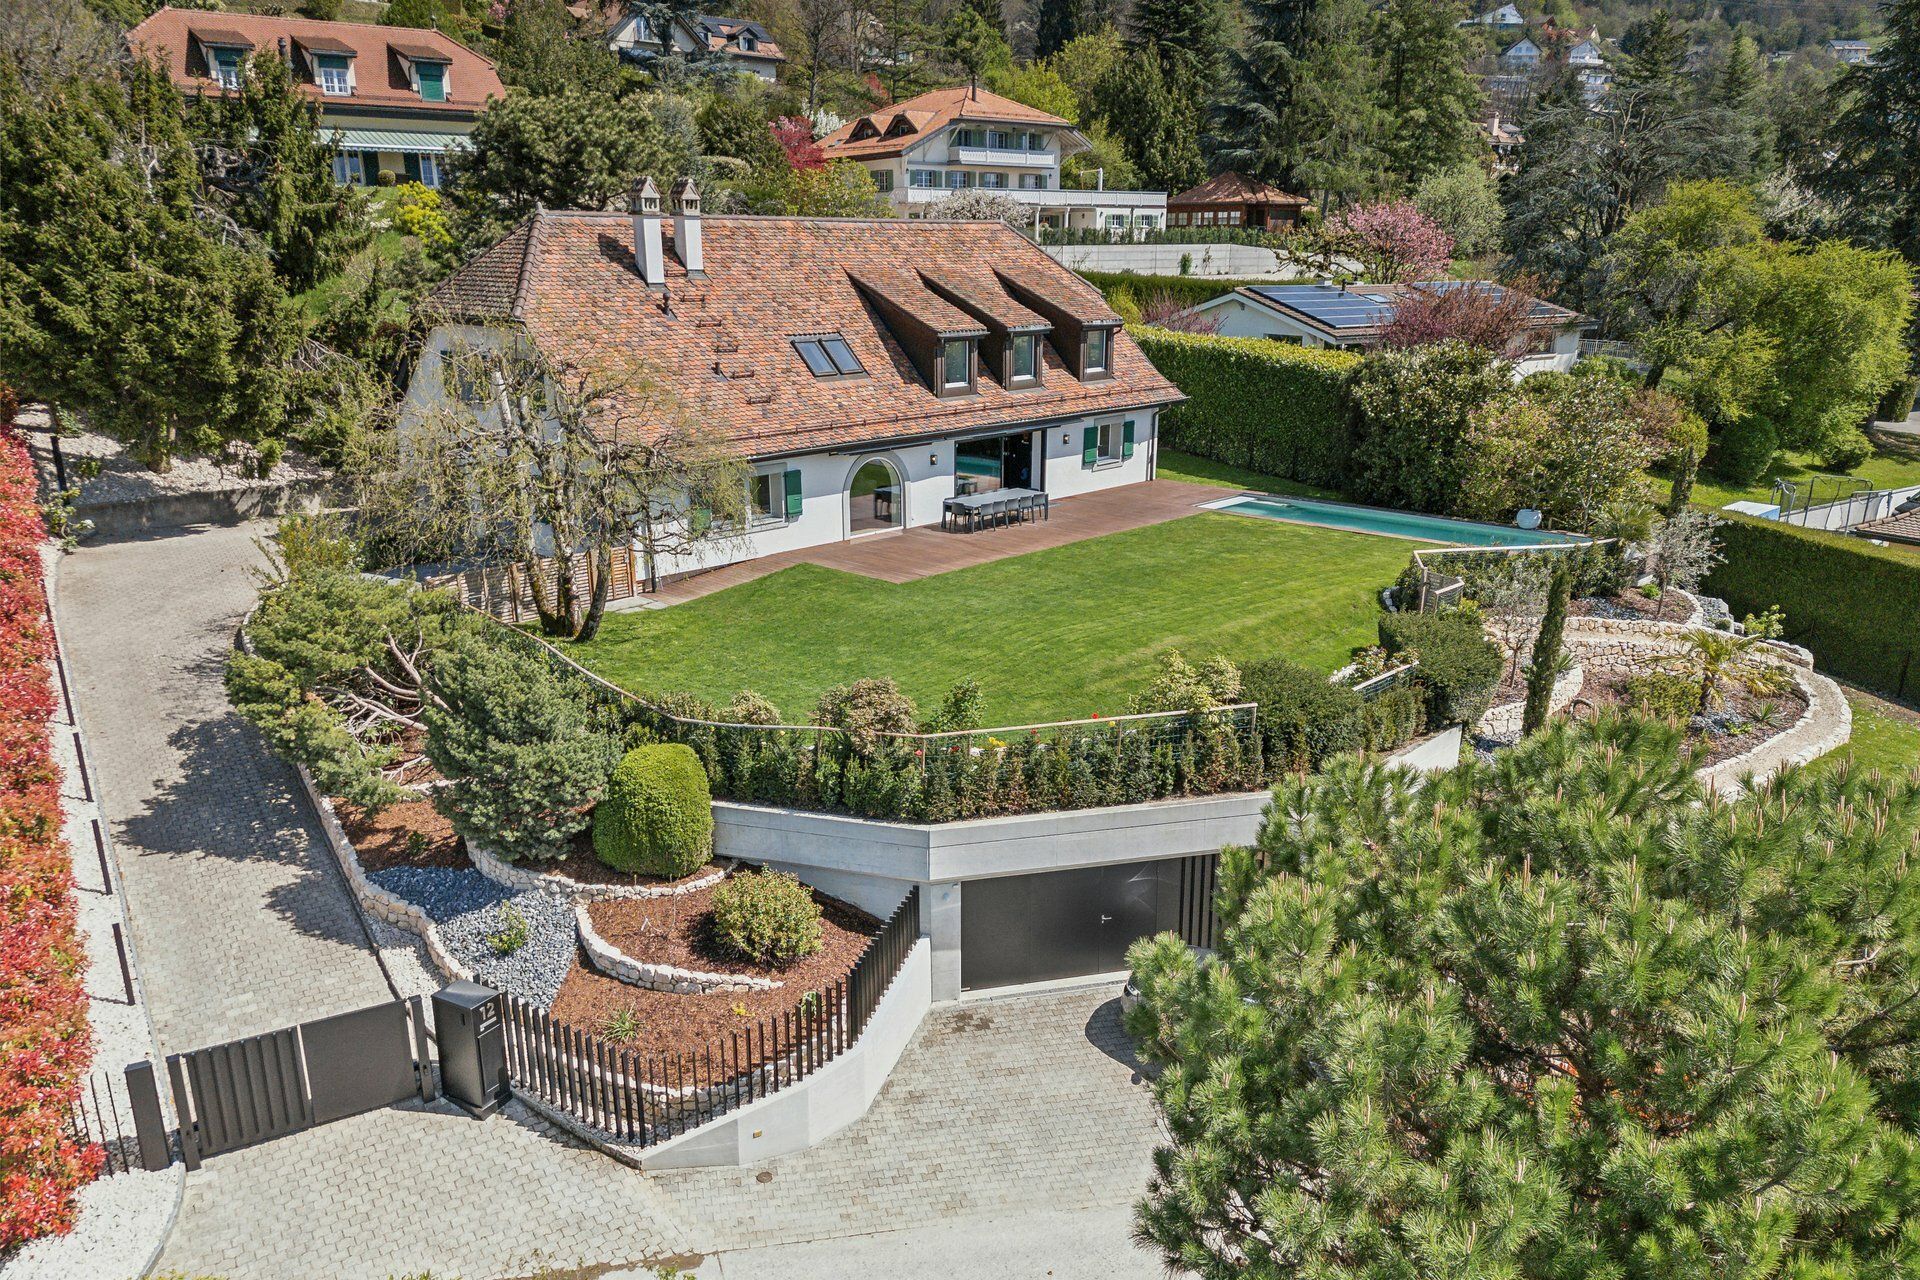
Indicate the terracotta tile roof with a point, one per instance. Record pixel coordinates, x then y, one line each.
1904 527
723 345
1235 188
925 115
723 35
995 304
379 77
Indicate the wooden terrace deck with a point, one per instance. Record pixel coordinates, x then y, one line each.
926 550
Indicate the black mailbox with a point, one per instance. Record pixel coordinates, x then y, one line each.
467 1020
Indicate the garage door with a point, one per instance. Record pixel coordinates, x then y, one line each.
1067 924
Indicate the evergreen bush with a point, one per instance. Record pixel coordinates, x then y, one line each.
1304 718
767 917
1670 695
1255 403
657 818
1459 666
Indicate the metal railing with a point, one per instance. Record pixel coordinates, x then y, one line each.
643 1098
1850 500
1436 589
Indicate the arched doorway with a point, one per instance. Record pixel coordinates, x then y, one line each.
876 501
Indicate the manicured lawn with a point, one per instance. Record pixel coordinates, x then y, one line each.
1895 465
1053 635
1885 736
1174 465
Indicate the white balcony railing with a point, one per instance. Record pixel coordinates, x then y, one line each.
1003 157
1062 198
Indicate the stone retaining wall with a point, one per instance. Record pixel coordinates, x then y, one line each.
1826 724
615 963
1504 721
554 885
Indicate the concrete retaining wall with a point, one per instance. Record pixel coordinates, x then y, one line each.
814 1109
1238 261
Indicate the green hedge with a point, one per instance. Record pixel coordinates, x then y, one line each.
1857 606
1190 290
1459 666
1304 719
1267 406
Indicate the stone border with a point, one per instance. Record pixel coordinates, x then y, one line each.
1826 725
1504 721
378 903
502 872
615 963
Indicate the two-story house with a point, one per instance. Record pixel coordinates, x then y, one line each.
868 369
638 35
397 99
922 150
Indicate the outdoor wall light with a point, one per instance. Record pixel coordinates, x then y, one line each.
933 459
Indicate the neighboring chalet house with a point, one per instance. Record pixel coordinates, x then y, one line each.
1850 52
1522 55
868 369
1231 200
744 44
397 99
924 149
1353 317
1505 18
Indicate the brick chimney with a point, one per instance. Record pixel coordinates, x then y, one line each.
686 228
643 202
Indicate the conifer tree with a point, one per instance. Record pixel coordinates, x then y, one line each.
1056 23
1544 666
1551 1017
1425 92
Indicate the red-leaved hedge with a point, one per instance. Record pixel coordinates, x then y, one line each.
45 1045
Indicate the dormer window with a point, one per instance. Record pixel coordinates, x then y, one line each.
1098 353
1023 364
828 356
432 77
747 43
227 66
334 74
956 365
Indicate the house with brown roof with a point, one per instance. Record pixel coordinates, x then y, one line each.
869 369
1233 200
924 149
637 34
398 99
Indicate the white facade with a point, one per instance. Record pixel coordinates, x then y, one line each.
633 34
1019 161
1240 318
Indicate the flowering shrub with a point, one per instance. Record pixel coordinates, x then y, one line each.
1393 241
44 1040
795 136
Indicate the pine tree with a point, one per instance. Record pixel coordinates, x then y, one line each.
1429 99
1873 169
1736 92
1553 1016
1055 23
1258 117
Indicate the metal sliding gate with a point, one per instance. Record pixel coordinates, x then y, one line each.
249 1090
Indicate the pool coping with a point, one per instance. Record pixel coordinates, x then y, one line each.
1559 536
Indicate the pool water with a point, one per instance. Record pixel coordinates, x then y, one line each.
1398 524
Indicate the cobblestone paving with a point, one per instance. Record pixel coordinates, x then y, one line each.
999 1108
240 917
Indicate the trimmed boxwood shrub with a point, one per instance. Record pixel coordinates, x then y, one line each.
1459 666
768 917
1304 719
1255 403
1394 718
657 819
1857 606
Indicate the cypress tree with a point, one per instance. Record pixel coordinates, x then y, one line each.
1544 665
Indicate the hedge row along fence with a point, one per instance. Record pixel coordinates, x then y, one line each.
1188 291
1256 403
1855 605
45 1043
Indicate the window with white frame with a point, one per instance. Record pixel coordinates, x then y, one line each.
334 73
956 364
763 499
1025 364
1098 351
923 178
882 180
958 178
430 170
226 65
994 181
747 42
350 169
1109 442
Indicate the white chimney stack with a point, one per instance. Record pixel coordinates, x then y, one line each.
643 202
686 228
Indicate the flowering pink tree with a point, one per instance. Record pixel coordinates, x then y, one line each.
795 136
1163 310
1478 313
1393 241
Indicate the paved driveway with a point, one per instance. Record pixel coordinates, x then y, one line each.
1009 1142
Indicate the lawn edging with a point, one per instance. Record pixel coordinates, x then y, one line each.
1825 726
615 963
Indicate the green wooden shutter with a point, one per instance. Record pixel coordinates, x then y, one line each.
433 81
793 495
1126 439
1089 446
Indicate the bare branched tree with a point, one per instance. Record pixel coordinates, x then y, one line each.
512 458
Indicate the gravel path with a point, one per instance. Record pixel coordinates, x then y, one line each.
471 910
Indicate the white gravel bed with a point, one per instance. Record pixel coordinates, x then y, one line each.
121 479
470 911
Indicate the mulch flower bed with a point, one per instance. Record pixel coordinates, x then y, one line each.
583 865
674 931
409 834
1729 730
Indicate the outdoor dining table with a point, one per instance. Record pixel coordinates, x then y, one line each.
995 506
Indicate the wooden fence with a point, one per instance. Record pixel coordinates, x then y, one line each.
644 1098
504 592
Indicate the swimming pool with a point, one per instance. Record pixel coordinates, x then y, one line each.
1397 524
